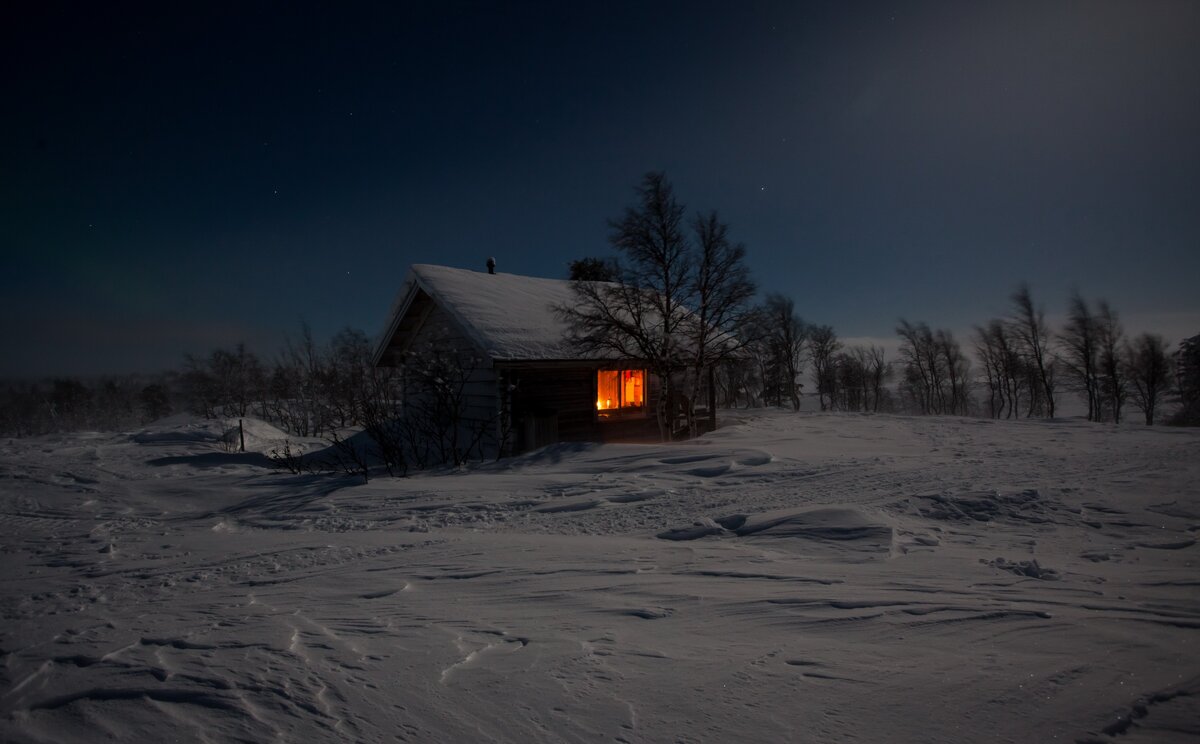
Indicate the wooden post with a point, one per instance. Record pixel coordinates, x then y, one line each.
241 436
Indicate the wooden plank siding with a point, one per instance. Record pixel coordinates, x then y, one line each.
438 333
563 400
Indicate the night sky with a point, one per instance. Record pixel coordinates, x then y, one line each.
175 180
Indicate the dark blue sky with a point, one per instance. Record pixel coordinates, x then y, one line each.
174 180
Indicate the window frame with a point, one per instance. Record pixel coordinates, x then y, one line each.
621 410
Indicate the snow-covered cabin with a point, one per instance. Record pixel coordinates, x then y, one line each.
521 377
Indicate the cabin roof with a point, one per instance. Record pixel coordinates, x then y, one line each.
509 317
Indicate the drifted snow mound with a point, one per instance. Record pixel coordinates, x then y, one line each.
180 429
846 525
830 523
188 429
696 530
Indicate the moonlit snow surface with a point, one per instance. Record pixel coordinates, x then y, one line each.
788 578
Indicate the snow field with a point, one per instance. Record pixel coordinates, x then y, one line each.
786 578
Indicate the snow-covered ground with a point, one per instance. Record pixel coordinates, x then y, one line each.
787 578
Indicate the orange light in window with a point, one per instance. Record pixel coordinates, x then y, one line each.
607 389
632 393
620 389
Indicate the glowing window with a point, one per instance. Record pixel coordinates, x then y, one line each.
620 388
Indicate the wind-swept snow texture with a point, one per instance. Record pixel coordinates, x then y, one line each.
787 578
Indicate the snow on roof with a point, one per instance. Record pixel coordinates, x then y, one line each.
510 317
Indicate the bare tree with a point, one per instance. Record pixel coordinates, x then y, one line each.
640 315
721 291
853 388
957 370
1029 327
989 355
858 375
781 340
225 383
301 367
590 269
924 374
1013 367
936 372
383 418
345 376
1113 388
672 306
155 400
1148 367
879 371
1081 347
735 377
281 400
762 373
823 344
200 389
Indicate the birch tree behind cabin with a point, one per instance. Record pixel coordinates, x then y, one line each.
679 305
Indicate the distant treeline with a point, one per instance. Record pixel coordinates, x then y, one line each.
1025 367
62 404
326 391
1015 367
309 390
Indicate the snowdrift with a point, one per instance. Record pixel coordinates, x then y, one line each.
812 577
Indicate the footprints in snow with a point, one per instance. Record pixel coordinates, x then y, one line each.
586 503
719 464
382 593
482 651
812 671
839 528
648 613
1029 569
